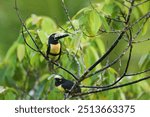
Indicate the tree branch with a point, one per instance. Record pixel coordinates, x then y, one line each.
134 74
141 3
67 13
135 42
110 64
38 49
140 29
113 45
113 87
103 57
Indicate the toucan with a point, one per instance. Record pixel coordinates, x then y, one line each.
66 85
54 48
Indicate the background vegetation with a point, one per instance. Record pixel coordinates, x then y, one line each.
24 73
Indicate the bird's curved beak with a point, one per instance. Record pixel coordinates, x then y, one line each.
60 35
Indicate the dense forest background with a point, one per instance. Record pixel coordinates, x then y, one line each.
9 20
24 81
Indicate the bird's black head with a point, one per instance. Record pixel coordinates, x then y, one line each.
59 80
53 38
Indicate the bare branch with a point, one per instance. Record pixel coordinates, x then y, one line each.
126 68
67 13
104 56
24 26
141 3
129 13
113 45
134 74
75 77
140 29
113 87
38 49
117 20
104 31
110 64
62 27
123 4
146 16
26 41
135 42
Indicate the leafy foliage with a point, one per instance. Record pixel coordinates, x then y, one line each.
25 73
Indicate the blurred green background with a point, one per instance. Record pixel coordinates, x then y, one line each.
10 25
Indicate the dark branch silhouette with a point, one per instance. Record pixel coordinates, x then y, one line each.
125 32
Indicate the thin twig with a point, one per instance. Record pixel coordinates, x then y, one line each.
62 27
147 15
103 57
112 47
123 4
110 64
125 71
135 42
134 74
117 20
23 24
67 13
38 49
129 12
26 41
104 31
141 3
75 77
140 29
113 87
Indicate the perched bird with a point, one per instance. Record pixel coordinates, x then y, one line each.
54 47
66 85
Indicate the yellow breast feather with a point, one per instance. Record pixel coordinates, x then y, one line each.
55 49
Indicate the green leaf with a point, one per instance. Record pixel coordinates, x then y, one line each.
109 8
113 71
144 61
11 51
7 71
145 85
2 89
109 1
35 59
20 52
3 68
144 8
10 95
105 24
93 22
80 13
90 56
43 36
35 20
55 95
100 45
76 65
40 89
76 24
48 25
145 29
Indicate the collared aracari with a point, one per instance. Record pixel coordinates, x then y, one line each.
54 47
66 85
